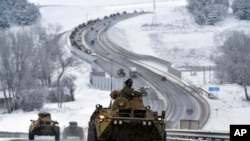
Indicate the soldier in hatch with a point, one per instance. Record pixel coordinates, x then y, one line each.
127 91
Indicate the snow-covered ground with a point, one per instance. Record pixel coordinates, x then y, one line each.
178 39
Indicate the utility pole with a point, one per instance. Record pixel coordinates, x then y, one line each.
154 13
209 74
204 76
87 16
111 72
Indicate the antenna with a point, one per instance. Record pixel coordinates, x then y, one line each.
154 13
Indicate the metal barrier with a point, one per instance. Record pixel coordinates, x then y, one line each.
197 135
13 134
104 83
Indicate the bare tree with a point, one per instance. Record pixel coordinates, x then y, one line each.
6 69
59 56
19 61
64 62
233 61
47 38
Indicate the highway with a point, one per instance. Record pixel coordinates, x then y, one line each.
178 100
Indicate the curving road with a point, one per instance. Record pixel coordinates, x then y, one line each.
178 99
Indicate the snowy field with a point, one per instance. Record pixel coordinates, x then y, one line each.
177 39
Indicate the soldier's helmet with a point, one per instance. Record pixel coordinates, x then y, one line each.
129 82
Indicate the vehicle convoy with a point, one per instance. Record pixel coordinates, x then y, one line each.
121 72
44 126
73 130
126 120
132 72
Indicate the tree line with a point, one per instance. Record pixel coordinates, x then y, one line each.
32 68
209 12
17 12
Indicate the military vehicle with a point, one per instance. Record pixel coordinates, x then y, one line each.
133 72
163 78
90 52
44 126
143 91
92 42
73 130
121 72
126 120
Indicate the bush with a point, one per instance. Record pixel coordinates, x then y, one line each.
65 94
208 12
31 100
241 9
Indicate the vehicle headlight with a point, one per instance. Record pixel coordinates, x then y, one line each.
144 123
101 117
149 123
121 104
120 121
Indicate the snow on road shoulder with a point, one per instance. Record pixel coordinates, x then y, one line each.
231 106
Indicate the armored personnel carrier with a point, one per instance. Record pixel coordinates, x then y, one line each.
73 130
44 126
126 120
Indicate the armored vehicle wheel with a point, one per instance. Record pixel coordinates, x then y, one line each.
64 137
92 133
81 137
165 136
57 134
31 136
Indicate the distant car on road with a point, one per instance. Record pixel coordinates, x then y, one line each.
163 78
90 52
143 91
146 86
121 72
92 42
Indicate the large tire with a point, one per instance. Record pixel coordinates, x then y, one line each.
92 133
165 136
64 136
81 134
31 136
57 134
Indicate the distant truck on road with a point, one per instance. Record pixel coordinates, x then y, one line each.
133 72
121 72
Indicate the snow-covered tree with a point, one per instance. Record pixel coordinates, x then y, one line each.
28 59
241 9
208 11
17 12
233 61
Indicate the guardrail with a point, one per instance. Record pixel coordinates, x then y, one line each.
13 134
183 135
